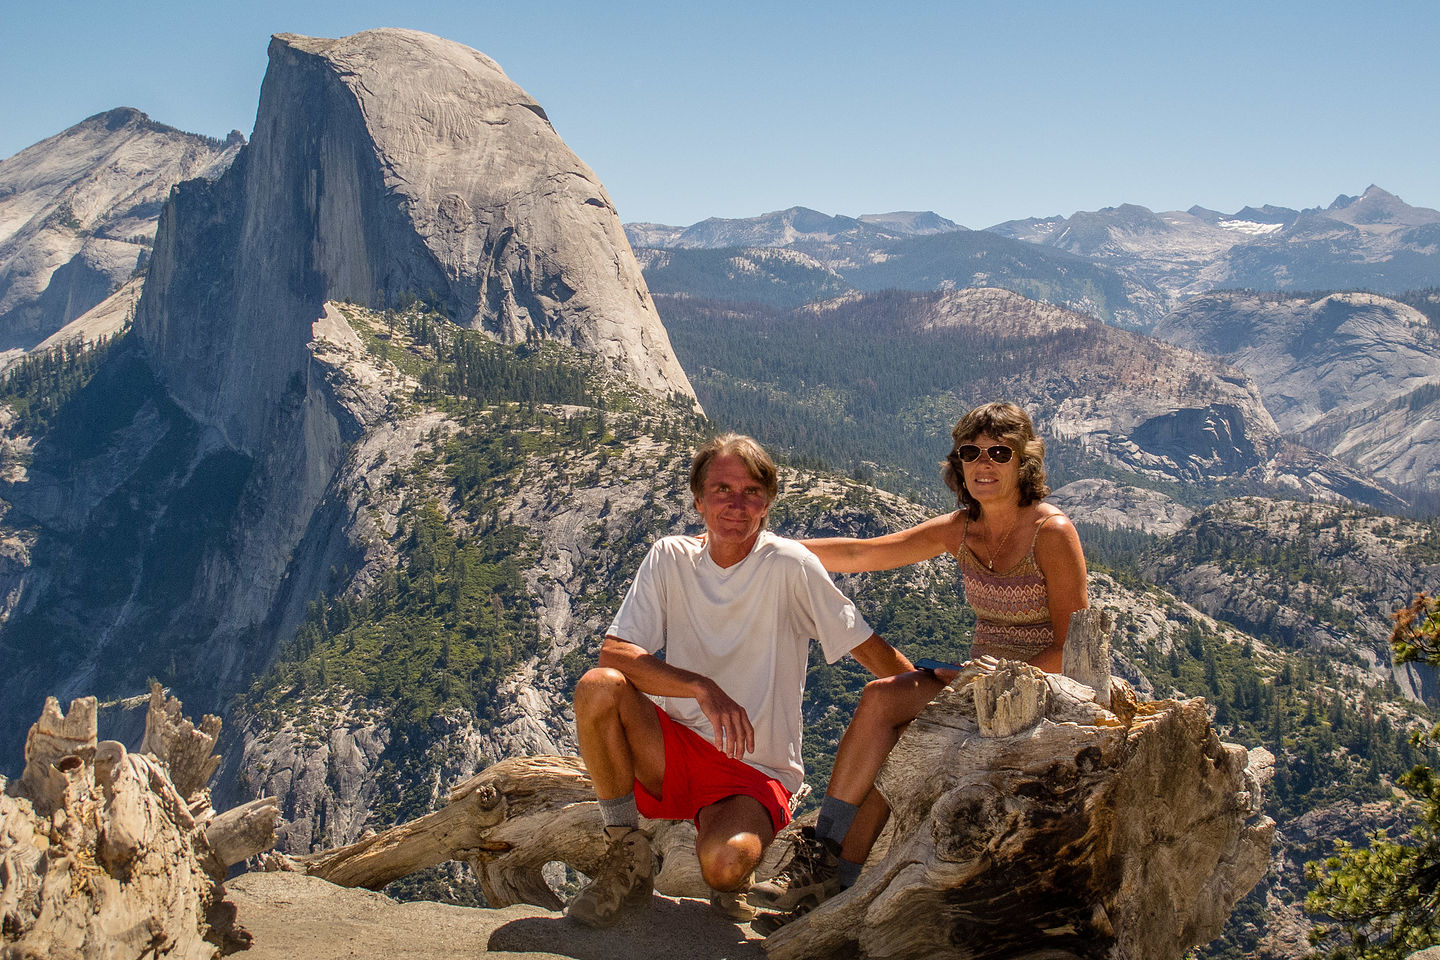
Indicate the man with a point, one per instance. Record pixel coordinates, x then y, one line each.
734 612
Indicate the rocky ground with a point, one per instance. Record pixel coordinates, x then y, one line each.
295 917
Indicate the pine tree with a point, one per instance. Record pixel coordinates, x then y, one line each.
1385 899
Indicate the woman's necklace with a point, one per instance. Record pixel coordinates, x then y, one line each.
990 554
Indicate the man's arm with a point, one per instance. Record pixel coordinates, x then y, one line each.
880 658
734 734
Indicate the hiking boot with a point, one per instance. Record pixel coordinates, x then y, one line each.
625 878
811 876
732 904
767 923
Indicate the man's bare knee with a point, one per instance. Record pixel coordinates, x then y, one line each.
599 691
732 837
727 865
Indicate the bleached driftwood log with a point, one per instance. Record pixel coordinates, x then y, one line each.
507 822
102 855
1086 655
1031 821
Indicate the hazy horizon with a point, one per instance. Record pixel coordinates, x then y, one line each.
982 113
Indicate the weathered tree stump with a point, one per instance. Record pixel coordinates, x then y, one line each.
102 855
1031 821
1086 657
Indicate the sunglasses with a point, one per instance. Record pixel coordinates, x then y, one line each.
999 453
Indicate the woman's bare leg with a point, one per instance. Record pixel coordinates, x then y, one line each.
886 707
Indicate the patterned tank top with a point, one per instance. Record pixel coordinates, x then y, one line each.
1012 609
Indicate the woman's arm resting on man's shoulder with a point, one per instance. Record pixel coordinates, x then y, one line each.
920 542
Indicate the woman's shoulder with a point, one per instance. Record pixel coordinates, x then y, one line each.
948 529
1047 514
1053 528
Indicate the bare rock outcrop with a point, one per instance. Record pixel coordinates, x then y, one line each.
1121 507
1350 374
386 166
105 853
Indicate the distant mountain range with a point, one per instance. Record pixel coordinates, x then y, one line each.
1126 265
787 227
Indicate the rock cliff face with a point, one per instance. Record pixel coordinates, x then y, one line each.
1348 373
390 165
1310 355
78 214
181 527
387 166
1330 578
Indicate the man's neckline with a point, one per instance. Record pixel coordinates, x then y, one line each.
709 543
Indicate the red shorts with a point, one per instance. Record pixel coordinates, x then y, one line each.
697 775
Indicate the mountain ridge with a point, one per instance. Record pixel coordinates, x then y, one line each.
1111 399
1146 263
78 214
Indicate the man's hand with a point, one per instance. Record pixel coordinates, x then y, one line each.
734 736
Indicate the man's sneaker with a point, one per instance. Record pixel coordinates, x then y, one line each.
625 878
811 876
732 905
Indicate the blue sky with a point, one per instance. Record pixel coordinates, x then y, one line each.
982 112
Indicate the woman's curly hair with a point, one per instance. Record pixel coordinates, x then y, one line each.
1011 425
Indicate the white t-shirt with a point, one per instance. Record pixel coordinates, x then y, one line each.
748 628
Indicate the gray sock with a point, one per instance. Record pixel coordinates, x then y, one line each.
620 812
849 872
834 819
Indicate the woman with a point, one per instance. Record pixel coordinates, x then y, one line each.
1024 576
